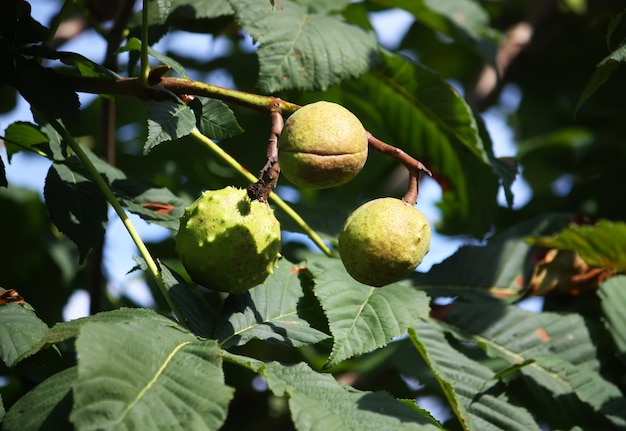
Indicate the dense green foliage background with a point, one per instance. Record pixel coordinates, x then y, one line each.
311 348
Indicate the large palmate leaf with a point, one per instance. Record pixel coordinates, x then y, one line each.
613 295
477 401
47 406
304 50
319 403
505 276
138 375
275 310
64 331
415 109
563 353
362 318
603 244
20 329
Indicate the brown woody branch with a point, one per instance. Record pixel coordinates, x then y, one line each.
268 177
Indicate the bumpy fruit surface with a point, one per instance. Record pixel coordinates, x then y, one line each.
228 242
322 145
383 241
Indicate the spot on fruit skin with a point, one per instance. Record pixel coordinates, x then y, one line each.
383 241
322 145
228 242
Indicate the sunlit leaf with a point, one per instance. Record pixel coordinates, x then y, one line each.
362 318
20 329
140 375
164 8
318 402
46 405
167 121
275 311
304 50
64 331
477 401
22 136
413 108
602 244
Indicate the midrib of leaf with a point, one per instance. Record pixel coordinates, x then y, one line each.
446 386
515 357
431 115
152 381
248 328
357 315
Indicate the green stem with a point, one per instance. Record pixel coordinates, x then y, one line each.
276 200
145 64
153 268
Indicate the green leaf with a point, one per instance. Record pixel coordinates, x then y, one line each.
412 107
64 331
362 318
46 91
76 205
613 295
509 267
199 314
20 329
47 406
140 375
589 387
153 204
164 8
603 71
465 21
167 121
24 136
85 66
215 119
134 44
477 402
323 5
602 244
516 335
304 50
318 402
276 310
565 349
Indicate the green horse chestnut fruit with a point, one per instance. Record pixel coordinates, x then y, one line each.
322 145
228 242
383 241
